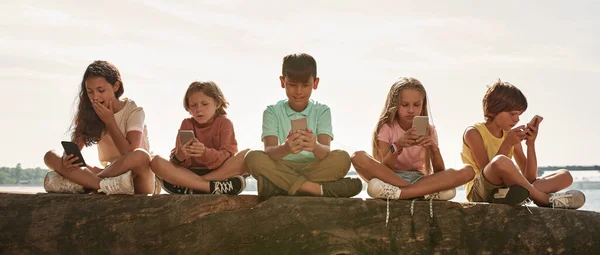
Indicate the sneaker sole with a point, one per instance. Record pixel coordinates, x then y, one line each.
515 195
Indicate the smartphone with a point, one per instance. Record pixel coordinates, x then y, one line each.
421 123
299 124
71 148
185 136
536 120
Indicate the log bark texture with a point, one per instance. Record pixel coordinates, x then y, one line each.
215 224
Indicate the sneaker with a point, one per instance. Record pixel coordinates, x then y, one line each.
122 184
441 195
56 183
176 189
345 187
267 189
513 195
571 199
231 186
380 189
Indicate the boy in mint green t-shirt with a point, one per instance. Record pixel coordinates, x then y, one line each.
301 162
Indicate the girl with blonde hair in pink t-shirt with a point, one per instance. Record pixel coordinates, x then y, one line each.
405 165
117 126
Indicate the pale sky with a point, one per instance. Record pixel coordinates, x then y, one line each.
455 48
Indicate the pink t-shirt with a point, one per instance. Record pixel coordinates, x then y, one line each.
411 158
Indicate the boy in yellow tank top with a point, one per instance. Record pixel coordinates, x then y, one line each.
489 147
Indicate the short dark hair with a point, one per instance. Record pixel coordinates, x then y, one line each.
502 97
299 66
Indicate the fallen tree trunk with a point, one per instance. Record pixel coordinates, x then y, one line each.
214 224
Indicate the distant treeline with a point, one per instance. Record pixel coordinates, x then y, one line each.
551 168
25 176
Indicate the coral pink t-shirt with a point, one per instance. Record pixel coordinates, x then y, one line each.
411 158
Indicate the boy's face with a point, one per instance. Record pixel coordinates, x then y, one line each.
298 92
507 120
201 107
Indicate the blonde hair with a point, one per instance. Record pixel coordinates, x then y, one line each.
210 89
390 113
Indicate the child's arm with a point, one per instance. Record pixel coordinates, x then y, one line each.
213 158
474 141
277 151
528 165
321 148
430 142
388 158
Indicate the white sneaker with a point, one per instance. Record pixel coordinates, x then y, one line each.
122 184
442 195
571 199
56 183
379 189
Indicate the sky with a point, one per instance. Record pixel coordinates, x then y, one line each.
455 48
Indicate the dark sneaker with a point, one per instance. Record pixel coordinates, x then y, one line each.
176 189
232 186
267 189
512 195
345 187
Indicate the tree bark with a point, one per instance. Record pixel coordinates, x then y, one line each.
216 224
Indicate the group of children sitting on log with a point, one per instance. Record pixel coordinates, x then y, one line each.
405 161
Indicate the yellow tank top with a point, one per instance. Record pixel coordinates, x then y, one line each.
490 143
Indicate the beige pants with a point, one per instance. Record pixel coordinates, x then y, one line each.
291 175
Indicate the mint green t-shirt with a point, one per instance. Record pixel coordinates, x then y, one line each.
277 121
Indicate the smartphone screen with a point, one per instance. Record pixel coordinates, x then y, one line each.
420 123
185 136
299 124
71 148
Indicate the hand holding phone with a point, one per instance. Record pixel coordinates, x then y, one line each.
421 124
185 136
72 149
536 120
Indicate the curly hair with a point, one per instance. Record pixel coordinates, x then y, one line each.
87 127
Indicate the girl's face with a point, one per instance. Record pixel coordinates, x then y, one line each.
410 104
507 120
100 90
201 107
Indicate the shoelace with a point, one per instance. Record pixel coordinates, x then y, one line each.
562 198
388 191
223 187
112 186
412 207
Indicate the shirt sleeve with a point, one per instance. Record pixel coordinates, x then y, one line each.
269 124
385 134
324 123
136 120
213 158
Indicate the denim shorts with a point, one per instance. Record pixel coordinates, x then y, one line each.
409 176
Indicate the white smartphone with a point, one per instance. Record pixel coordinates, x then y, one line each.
421 123
299 124
185 136
536 120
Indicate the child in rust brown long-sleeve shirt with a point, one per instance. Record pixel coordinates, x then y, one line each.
210 161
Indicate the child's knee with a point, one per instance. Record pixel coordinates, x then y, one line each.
359 159
254 158
49 155
467 173
565 175
502 163
340 162
140 156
